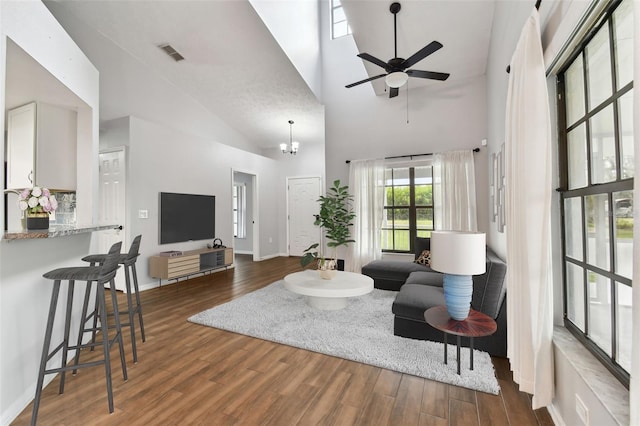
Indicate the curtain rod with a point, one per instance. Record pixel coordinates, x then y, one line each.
411 155
537 8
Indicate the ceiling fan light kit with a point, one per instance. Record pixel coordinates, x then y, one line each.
396 79
397 72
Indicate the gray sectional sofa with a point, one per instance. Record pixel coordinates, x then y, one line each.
420 288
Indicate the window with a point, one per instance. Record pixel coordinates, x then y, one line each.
339 25
408 207
239 211
596 179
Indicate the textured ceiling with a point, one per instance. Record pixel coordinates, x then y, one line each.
234 67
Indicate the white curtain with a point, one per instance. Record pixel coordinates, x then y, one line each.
454 191
528 221
366 184
634 386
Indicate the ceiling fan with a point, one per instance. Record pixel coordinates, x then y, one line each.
397 73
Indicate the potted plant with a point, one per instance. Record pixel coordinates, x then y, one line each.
37 204
335 218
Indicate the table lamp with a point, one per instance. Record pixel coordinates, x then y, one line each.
459 255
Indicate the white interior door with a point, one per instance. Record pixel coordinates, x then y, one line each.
302 199
112 204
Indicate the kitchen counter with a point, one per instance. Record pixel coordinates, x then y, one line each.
54 231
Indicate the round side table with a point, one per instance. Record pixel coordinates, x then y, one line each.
477 324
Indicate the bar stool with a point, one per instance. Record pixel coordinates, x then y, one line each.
93 275
129 262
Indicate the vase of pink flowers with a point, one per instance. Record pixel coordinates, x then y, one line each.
37 203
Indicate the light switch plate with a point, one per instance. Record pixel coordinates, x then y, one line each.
143 214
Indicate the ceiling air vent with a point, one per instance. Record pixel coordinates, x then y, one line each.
171 52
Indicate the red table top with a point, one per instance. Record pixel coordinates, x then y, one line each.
477 324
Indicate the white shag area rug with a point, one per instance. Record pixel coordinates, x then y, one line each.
361 332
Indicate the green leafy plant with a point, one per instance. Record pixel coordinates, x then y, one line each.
335 218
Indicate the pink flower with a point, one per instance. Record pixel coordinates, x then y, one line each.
36 191
23 205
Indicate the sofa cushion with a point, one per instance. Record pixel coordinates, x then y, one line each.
425 278
490 288
392 269
414 299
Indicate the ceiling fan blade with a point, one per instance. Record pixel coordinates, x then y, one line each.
428 74
348 86
373 60
393 92
421 54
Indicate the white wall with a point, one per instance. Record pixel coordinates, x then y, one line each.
24 294
295 26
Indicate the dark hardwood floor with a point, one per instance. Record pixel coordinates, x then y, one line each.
190 374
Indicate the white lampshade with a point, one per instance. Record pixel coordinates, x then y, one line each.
458 253
396 79
283 147
294 146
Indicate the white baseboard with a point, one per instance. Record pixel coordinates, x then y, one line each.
272 256
243 252
555 415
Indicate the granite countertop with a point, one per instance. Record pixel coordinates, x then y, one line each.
54 231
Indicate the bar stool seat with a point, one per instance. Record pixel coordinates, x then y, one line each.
128 260
96 276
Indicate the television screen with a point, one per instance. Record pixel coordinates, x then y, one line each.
187 217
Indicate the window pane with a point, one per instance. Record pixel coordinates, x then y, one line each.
600 311
575 295
623 30
401 240
340 29
598 230
603 147
623 202
625 112
338 15
625 322
424 217
401 218
599 67
577 144
424 195
422 175
573 227
574 91
401 196
424 233
387 239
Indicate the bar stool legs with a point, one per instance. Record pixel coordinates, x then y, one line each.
97 276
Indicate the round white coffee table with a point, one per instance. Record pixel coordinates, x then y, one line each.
328 294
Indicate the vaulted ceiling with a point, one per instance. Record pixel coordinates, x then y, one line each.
235 68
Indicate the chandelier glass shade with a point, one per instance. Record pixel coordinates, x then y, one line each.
293 146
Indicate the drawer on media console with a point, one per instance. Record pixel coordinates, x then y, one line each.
173 267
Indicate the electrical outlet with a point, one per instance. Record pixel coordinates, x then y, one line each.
582 411
143 214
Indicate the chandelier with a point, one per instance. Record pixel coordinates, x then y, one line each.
292 148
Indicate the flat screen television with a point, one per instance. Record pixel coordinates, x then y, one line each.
187 217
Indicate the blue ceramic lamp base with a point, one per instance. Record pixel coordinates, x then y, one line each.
458 290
